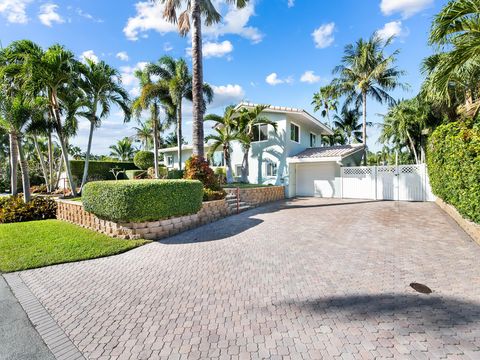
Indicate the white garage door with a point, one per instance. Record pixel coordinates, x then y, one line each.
316 179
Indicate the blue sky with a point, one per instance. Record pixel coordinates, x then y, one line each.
275 52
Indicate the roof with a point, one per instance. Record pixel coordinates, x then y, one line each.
184 147
290 110
326 153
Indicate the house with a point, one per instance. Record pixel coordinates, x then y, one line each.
292 155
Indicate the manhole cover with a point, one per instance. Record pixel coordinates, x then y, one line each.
424 289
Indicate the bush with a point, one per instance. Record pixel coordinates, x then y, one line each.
162 172
13 209
38 189
211 195
99 170
142 200
453 160
175 174
135 174
221 174
144 160
197 168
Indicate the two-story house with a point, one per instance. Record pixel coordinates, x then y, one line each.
292 155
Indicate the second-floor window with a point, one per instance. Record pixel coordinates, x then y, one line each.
313 140
260 133
294 132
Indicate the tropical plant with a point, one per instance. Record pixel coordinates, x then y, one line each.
338 138
195 9
248 121
326 100
144 134
123 149
348 124
365 72
102 86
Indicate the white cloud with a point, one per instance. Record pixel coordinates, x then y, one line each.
226 95
89 54
406 7
273 80
127 75
149 16
213 49
323 36
390 29
88 16
122 55
49 15
310 77
15 11
167 47
291 3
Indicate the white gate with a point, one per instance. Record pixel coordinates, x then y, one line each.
404 182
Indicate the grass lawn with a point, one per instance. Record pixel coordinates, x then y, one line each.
243 186
33 244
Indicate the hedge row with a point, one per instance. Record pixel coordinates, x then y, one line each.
454 167
142 200
99 170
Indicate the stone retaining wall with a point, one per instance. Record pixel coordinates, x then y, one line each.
73 212
470 227
257 196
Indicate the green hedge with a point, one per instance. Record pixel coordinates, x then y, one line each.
99 170
142 200
454 167
144 160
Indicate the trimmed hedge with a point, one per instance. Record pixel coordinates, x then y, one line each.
142 200
144 160
100 170
454 167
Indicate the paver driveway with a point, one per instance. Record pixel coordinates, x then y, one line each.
305 279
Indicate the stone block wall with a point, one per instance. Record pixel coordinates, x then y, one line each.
257 196
468 226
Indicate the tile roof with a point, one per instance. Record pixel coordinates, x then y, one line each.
328 151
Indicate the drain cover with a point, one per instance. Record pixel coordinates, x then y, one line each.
424 289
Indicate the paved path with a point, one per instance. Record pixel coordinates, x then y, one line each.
301 280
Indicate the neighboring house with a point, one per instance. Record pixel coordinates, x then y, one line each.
292 156
170 156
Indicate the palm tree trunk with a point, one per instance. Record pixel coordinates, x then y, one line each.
50 161
197 80
24 169
87 155
245 165
228 162
42 162
179 133
59 172
364 127
412 146
13 164
155 142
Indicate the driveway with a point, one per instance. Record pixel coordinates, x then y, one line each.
306 279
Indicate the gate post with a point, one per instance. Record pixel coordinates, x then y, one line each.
376 179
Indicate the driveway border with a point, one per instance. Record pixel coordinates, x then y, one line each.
54 337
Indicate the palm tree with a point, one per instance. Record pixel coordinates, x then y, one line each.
338 138
144 134
195 9
123 149
175 76
348 123
367 72
225 132
248 121
102 86
326 100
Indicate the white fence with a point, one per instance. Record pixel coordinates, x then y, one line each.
404 182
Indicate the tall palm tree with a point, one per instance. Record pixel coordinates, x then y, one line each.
348 123
175 76
144 134
123 149
226 131
102 86
365 72
248 121
326 100
195 9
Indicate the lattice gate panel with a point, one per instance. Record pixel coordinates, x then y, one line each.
411 182
358 182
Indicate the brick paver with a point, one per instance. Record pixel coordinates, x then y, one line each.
307 279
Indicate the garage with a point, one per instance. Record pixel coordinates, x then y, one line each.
317 179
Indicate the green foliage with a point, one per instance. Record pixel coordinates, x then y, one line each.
14 209
162 173
175 174
197 168
221 174
454 167
142 200
135 174
100 170
144 160
211 195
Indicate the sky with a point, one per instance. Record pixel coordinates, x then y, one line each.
276 52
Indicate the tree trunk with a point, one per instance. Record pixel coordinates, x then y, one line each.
228 162
197 80
179 133
364 128
13 164
412 146
155 141
50 162
42 163
24 169
59 172
87 155
245 166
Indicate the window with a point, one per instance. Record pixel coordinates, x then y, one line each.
217 159
272 168
294 133
238 170
260 133
170 160
313 140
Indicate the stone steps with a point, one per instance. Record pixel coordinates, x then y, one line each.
231 201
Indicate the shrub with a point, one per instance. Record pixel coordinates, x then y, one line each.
453 158
38 189
144 160
100 170
162 172
221 174
135 174
175 174
211 195
197 168
142 200
14 209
